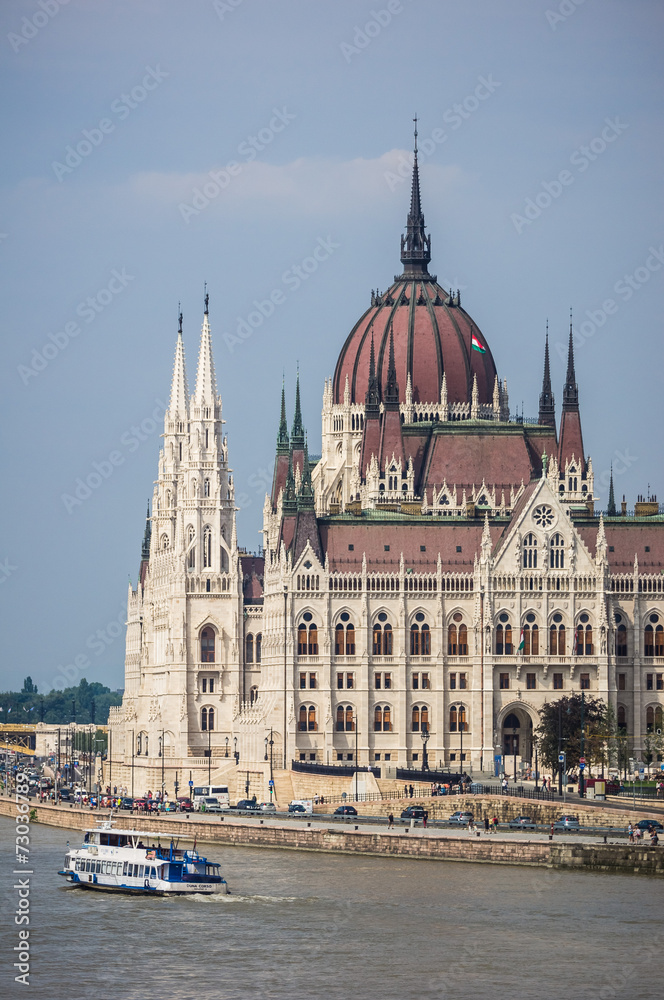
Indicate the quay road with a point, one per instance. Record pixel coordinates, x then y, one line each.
371 825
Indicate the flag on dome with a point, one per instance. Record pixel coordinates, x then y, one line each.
476 344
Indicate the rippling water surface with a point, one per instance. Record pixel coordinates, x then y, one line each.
314 926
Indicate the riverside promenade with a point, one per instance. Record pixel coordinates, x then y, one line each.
583 851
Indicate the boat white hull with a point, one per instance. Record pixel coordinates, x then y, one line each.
143 887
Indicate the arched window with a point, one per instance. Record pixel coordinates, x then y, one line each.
463 640
653 639
307 720
530 640
504 640
583 640
557 560
259 647
622 719
452 647
249 649
382 640
458 719
313 640
382 719
206 484
350 640
415 644
191 554
420 718
164 542
139 743
339 640
557 640
654 719
621 641
207 548
210 719
204 719
302 640
207 645
253 694
530 551
345 719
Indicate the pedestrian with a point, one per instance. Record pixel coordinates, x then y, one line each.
654 839
405 791
425 817
495 824
486 824
390 821
630 831
504 786
543 784
411 791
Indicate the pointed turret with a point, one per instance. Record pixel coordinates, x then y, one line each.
547 405
297 432
179 392
145 548
570 389
281 463
305 497
206 383
571 439
391 396
372 398
289 505
611 509
415 244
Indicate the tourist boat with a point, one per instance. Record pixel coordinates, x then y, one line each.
137 862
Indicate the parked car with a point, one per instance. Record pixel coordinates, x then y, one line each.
296 807
522 823
247 805
460 818
185 804
66 794
345 811
127 803
267 807
649 825
567 823
413 812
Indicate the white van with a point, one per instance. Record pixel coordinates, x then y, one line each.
305 806
220 792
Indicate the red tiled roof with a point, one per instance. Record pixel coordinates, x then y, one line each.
627 540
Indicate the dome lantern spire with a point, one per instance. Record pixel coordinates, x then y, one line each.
415 244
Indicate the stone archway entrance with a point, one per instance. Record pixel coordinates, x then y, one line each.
516 740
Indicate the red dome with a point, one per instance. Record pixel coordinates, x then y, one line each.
432 335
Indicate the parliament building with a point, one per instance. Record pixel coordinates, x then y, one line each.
424 586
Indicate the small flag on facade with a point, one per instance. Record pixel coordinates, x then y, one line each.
477 344
521 642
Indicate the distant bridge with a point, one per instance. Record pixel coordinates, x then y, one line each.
21 739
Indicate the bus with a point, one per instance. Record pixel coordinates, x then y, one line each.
220 792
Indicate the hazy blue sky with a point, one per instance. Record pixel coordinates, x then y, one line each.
303 113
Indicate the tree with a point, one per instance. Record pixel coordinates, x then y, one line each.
28 686
559 730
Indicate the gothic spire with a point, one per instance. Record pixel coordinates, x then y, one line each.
547 404
415 244
206 383
289 503
391 386
297 433
570 389
179 390
372 398
282 436
145 547
611 509
306 495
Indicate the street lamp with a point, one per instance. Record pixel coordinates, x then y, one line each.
209 756
227 746
514 750
246 786
161 754
270 743
236 752
425 740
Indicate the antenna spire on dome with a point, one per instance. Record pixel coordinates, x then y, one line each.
570 389
415 244
547 405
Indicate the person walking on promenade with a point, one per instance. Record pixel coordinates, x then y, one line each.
425 817
411 791
390 821
495 824
630 831
405 791
486 824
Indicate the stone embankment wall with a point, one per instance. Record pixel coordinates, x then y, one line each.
625 858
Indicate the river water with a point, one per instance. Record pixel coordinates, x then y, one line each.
316 926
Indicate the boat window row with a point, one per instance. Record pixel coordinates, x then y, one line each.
85 865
